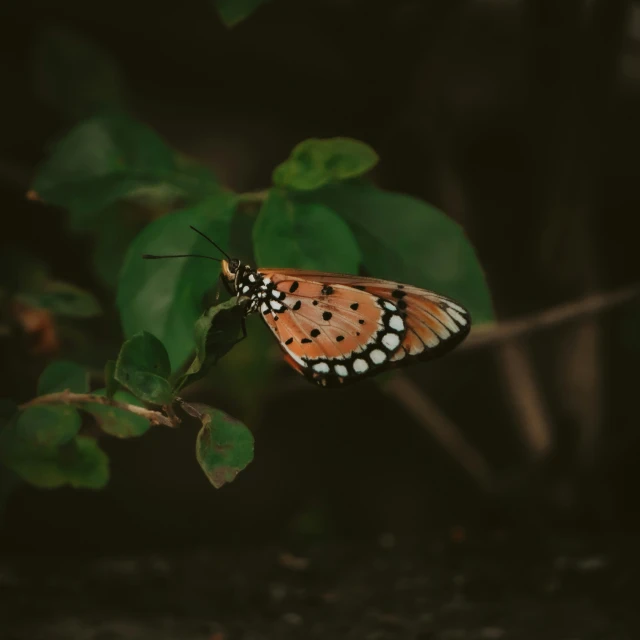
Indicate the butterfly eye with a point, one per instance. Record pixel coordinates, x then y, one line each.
234 264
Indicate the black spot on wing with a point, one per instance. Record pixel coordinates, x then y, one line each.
315 333
327 290
293 287
327 315
305 341
354 306
289 341
297 305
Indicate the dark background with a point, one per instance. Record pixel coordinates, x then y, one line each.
520 119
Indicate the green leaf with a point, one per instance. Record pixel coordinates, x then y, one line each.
233 12
80 463
73 75
315 163
143 367
48 425
111 157
224 446
305 236
165 296
62 375
216 332
116 421
63 299
410 241
114 231
110 378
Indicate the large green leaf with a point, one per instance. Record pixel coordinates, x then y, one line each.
233 12
111 157
305 236
224 446
143 367
165 296
116 421
48 425
74 75
407 240
62 375
314 163
217 330
79 463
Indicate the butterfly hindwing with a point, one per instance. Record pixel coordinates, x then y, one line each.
337 328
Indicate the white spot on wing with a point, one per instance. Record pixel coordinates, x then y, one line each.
390 306
378 356
275 305
396 323
341 370
321 367
252 278
360 365
245 288
390 340
266 280
459 318
264 308
455 306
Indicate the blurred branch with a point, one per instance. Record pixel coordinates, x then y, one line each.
66 397
492 335
440 427
524 393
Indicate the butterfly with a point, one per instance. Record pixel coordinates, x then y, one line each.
335 328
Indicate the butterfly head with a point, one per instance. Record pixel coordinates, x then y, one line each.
230 269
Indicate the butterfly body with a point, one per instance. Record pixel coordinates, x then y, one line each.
338 328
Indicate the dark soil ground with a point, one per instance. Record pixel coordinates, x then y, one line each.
489 590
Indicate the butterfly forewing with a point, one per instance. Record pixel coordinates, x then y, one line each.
339 328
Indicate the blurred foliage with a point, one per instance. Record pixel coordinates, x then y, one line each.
232 12
315 163
74 76
122 184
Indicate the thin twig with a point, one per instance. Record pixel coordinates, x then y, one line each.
504 331
67 397
442 428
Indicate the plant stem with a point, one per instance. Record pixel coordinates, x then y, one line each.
67 397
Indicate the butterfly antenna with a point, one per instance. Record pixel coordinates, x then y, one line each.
149 256
224 253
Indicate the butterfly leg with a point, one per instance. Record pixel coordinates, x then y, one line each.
225 284
243 325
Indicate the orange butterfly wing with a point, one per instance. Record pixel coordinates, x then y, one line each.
337 328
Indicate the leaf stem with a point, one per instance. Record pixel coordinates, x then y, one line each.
67 397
